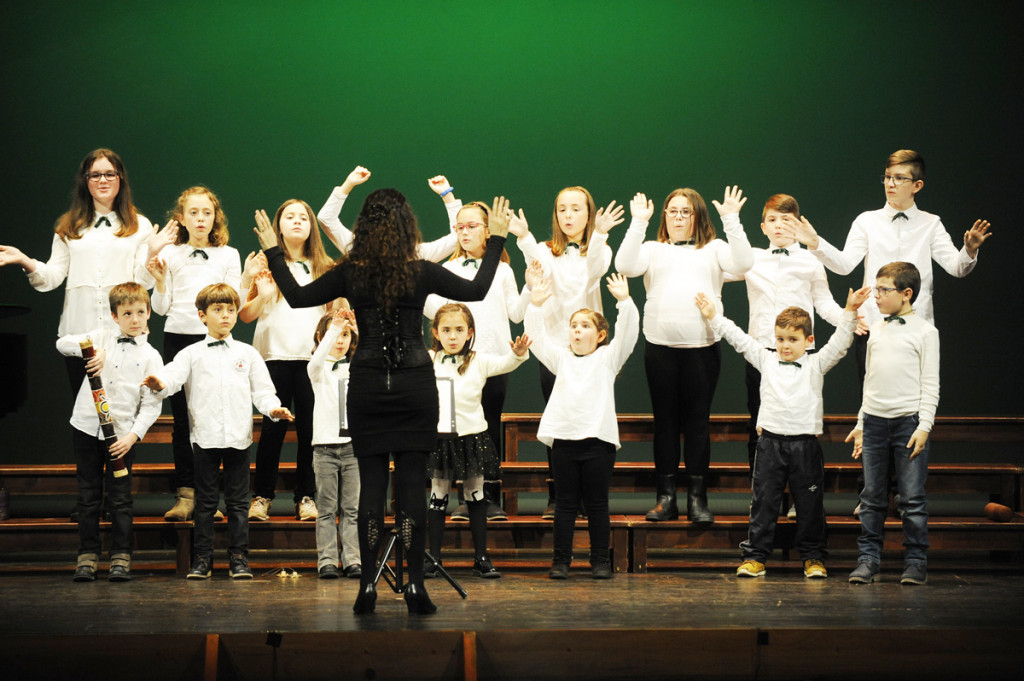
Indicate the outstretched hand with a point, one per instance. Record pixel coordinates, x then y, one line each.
520 345
618 286
265 230
804 232
165 237
534 273
282 414
153 383
976 236
9 255
732 202
641 208
540 292
497 225
517 224
856 436
706 305
854 299
158 269
608 217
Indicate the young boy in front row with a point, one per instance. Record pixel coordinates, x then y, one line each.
789 422
221 377
901 393
121 358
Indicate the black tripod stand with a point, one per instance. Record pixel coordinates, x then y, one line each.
394 577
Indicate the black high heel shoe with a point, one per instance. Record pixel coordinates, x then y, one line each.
417 600
366 601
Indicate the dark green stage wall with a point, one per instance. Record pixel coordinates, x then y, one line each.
266 101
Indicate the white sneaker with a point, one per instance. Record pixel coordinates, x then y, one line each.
306 509
259 509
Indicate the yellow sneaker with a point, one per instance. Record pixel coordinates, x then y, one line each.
815 569
750 568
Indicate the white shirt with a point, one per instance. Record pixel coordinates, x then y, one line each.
469 413
188 274
791 402
284 332
582 403
92 265
777 281
491 315
132 407
325 379
435 251
221 383
575 280
879 240
674 275
902 376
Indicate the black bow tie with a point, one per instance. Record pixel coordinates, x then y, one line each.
793 364
900 215
471 261
219 342
102 221
304 265
572 244
343 360
783 251
126 339
685 242
199 251
895 318
448 358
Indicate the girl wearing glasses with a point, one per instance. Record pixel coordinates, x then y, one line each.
101 241
682 355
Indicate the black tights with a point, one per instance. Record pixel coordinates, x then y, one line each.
411 517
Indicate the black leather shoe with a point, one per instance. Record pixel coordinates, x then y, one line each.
329 572
354 571
119 573
483 567
417 600
85 573
366 601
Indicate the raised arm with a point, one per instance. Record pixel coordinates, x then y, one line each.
632 259
627 321
841 339
840 262
439 249
747 346
740 256
51 274
958 263
328 217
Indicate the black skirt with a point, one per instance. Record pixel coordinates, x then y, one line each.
464 457
392 411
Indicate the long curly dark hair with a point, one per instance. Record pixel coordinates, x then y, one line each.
385 239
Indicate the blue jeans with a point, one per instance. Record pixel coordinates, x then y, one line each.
883 436
331 463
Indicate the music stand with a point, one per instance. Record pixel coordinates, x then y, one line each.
394 578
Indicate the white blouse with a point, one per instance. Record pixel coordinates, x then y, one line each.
187 274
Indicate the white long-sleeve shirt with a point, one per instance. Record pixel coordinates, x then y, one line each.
469 413
878 239
902 376
435 251
575 280
777 281
674 275
132 407
187 274
503 303
284 332
582 403
325 378
222 382
92 265
791 402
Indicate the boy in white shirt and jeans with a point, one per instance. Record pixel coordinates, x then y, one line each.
221 377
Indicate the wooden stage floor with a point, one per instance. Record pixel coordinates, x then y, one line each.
660 625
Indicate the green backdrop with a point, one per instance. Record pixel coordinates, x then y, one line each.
266 101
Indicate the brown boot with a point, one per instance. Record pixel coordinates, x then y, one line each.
183 507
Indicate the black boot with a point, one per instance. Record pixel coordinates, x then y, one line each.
666 508
600 564
697 502
560 564
492 495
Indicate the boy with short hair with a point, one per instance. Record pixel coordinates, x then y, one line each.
901 394
790 420
121 358
783 276
221 377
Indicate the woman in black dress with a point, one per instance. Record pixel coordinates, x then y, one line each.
393 407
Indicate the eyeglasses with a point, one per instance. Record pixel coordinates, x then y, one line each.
896 180
109 176
468 226
679 212
884 290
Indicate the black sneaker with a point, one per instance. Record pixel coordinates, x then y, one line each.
495 512
119 573
200 569
914 573
430 570
85 573
353 571
483 567
461 512
329 572
239 567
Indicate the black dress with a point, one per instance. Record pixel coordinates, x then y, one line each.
392 393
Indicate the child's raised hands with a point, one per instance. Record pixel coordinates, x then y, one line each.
854 299
520 345
804 233
265 230
608 217
9 255
165 237
540 292
254 264
976 236
706 305
265 286
498 223
641 208
618 286
158 268
732 202
534 273
439 184
355 178
517 224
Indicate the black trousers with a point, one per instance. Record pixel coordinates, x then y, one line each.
93 470
799 460
236 498
492 399
292 385
583 468
682 383
184 463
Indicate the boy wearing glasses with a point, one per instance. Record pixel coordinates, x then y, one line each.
901 393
